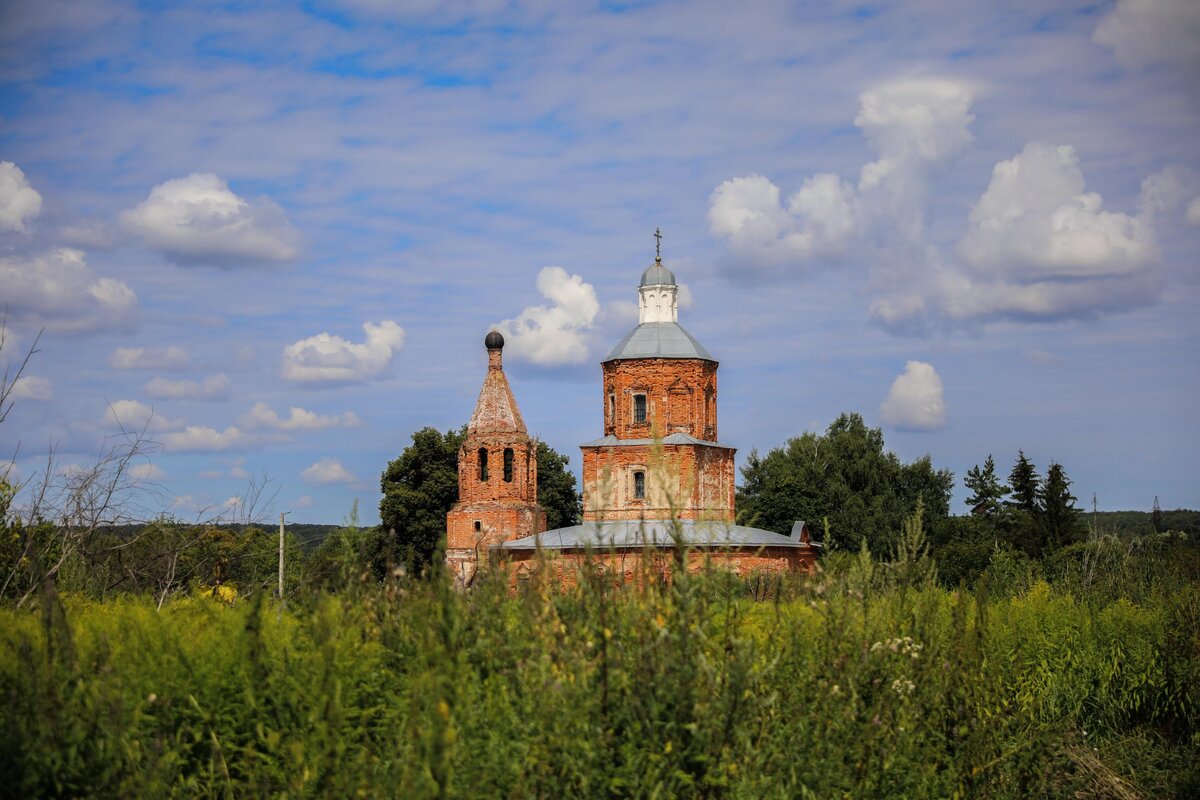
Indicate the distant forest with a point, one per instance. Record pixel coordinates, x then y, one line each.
1136 523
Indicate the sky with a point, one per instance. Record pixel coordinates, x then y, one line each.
274 235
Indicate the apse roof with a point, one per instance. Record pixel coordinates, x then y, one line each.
653 533
659 340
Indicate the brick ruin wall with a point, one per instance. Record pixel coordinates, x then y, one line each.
685 481
564 567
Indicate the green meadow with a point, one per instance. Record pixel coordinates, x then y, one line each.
867 679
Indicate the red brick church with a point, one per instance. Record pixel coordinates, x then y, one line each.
658 477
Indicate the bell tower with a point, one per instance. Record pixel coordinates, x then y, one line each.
497 476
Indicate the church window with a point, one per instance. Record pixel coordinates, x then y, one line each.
478 526
639 485
612 408
508 465
639 409
483 470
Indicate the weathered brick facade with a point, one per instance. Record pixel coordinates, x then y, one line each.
681 397
645 401
497 476
639 564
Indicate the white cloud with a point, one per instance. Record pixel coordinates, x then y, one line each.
556 334
18 200
197 219
915 125
214 387
1166 190
325 358
1143 33
135 414
29 387
1036 222
197 438
237 470
1192 215
1038 246
58 290
148 472
172 357
922 120
326 471
915 400
304 501
817 223
298 419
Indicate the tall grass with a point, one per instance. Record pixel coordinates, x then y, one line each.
862 681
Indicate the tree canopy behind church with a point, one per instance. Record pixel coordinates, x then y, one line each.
421 485
844 475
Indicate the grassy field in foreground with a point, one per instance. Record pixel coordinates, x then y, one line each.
854 683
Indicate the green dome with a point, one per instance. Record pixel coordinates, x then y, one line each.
657 275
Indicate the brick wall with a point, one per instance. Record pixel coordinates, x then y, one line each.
631 566
687 481
681 397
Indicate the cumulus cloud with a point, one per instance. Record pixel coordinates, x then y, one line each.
197 438
915 125
1039 246
237 469
1144 33
199 220
327 471
817 223
135 414
298 419
18 200
147 472
915 401
58 290
172 357
915 120
1193 212
29 387
214 387
1036 222
555 334
326 358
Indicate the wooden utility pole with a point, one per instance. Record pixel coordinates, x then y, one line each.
281 556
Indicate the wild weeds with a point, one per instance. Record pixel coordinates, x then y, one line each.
865 680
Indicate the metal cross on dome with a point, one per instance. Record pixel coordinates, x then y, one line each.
658 244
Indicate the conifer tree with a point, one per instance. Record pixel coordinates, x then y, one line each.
1023 485
987 493
1059 516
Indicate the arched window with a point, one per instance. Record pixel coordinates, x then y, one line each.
508 464
483 470
639 486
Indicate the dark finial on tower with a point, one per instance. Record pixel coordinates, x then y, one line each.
657 246
494 343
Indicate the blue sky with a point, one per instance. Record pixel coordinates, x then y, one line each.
284 229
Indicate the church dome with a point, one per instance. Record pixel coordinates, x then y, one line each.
657 275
